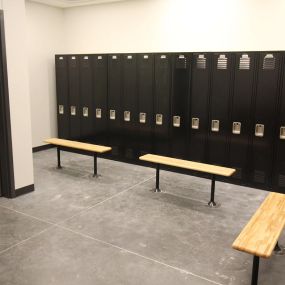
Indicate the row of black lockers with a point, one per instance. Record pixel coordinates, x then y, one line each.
220 108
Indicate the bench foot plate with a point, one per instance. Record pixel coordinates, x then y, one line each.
96 175
157 190
213 204
59 167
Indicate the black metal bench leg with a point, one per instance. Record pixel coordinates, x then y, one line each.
279 250
95 165
58 158
212 202
157 189
255 268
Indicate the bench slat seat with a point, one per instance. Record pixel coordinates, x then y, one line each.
262 232
191 165
78 145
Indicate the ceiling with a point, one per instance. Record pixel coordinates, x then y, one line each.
72 3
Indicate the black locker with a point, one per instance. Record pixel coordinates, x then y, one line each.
115 114
162 93
129 105
100 96
241 113
62 96
179 104
145 115
86 97
279 137
219 125
264 118
74 96
199 106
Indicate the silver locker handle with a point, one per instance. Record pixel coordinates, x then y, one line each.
195 123
282 132
259 130
127 116
98 113
112 115
236 128
142 118
159 119
61 109
73 110
176 121
85 112
215 126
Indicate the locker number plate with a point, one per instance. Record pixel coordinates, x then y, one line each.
236 128
282 133
259 130
112 115
215 125
73 111
61 109
195 123
159 119
98 113
142 118
176 121
127 116
85 112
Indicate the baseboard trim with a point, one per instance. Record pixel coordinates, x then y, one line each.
24 190
42 147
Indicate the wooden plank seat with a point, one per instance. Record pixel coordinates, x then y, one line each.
260 236
191 165
95 149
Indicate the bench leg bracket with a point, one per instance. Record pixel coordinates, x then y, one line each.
212 202
58 158
255 269
157 189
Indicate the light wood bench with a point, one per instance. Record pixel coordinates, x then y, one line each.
191 165
260 236
94 149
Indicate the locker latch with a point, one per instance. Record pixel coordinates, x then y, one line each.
127 116
85 111
215 126
195 123
112 114
73 111
236 128
282 133
142 118
159 119
259 130
61 109
176 121
98 113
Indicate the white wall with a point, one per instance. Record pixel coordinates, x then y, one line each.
45 39
176 25
15 33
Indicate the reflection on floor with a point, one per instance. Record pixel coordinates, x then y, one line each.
75 229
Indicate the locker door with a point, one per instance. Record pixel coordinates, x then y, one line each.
74 96
114 103
219 109
129 104
100 87
86 100
265 109
62 96
179 104
145 115
279 137
162 92
199 106
241 115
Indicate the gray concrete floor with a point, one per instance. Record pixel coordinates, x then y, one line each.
75 229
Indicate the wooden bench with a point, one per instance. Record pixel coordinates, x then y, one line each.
260 236
191 165
95 149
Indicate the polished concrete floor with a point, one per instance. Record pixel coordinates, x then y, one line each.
75 229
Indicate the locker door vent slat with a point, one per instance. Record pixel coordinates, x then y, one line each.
259 176
222 62
281 180
244 62
269 61
201 61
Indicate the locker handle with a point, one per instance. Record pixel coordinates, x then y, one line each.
176 121
159 119
73 110
215 126
112 115
236 128
61 109
127 116
142 118
85 111
195 123
259 130
282 132
98 113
